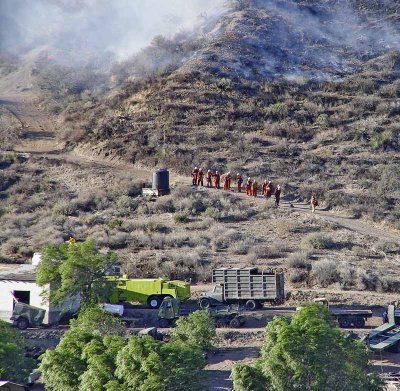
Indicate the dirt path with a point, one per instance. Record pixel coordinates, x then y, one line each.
362 227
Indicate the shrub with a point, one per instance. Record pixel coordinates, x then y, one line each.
299 260
318 241
181 218
197 329
65 208
297 276
325 272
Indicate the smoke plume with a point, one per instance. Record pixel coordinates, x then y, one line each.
96 26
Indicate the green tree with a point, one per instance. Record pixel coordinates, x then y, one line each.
149 365
309 353
14 366
63 367
75 269
197 329
92 356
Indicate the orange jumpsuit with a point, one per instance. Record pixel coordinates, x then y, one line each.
268 191
254 189
248 188
264 189
200 180
226 182
195 174
209 179
239 181
217 180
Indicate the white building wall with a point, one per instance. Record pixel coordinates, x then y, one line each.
7 301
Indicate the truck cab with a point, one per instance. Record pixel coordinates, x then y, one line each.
212 297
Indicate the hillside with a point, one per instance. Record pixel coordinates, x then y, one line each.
304 93
313 105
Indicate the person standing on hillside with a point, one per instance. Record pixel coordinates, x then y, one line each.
227 181
277 195
264 188
200 177
254 194
217 179
209 178
239 181
313 203
268 191
195 174
248 187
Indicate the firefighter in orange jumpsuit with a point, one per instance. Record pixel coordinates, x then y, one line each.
264 188
268 192
239 181
254 194
217 179
195 174
209 178
227 181
200 178
248 187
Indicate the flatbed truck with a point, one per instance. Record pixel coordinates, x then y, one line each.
346 318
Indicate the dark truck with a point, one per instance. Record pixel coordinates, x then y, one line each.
224 315
246 286
346 318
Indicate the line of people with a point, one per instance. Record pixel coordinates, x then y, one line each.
251 186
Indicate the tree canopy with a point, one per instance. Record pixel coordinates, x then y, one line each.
307 353
197 329
94 356
73 269
14 366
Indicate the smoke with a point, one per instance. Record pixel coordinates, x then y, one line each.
122 27
317 39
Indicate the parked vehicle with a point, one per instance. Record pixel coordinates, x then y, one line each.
224 316
387 336
148 291
246 286
25 315
346 318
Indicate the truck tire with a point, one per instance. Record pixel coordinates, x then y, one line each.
205 303
23 323
234 323
359 322
251 305
154 302
344 323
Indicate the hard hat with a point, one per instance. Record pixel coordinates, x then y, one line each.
238 174
248 178
195 168
200 169
208 170
269 181
216 172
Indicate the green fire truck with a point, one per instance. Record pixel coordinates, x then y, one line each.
150 291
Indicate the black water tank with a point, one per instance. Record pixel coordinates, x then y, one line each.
161 181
